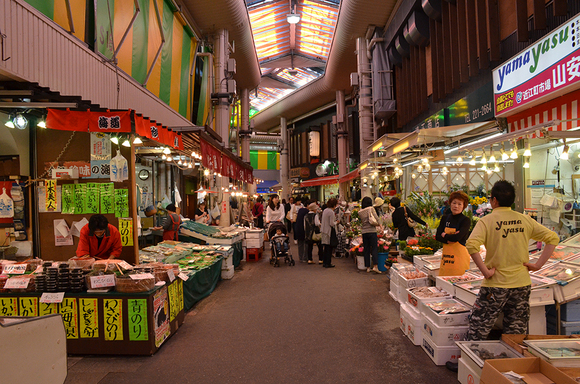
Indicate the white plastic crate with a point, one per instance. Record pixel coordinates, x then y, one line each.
466 374
255 234
415 302
537 322
394 291
403 321
444 336
439 355
228 273
412 283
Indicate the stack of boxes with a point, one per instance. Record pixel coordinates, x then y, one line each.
253 244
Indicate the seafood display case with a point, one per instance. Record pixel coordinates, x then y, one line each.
447 283
558 352
567 277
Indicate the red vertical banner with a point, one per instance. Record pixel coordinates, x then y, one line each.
210 157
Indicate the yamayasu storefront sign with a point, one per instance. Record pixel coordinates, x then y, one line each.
546 69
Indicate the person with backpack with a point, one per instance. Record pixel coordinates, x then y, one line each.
258 212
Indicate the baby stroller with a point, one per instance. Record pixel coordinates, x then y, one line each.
283 241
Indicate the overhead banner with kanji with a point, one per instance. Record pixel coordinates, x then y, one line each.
210 157
548 68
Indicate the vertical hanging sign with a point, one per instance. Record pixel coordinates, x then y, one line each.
100 155
68 310
8 306
50 191
92 196
28 306
113 309
89 315
121 203
68 199
107 199
126 231
138 330
80 202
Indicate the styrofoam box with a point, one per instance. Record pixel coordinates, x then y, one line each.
402 295
466 374
570 327
444 336
403 320
396 268
542 296
416 302
227 273
412 283
414 324
568 292
418 261
445 285
250 234
537 322
440 355
446 320
253 243
228 262
394 291
465 295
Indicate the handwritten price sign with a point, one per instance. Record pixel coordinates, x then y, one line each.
16 283
15 269
52 297
102 281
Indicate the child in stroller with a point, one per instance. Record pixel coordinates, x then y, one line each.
280 244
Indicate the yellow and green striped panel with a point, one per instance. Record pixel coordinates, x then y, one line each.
265 159
170 78
202 100
56 11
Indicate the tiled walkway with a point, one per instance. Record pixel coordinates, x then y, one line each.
302 324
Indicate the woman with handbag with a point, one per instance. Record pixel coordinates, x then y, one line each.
312 232
404 219
328 230
453 232
369 225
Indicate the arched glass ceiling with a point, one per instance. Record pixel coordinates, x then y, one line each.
290 55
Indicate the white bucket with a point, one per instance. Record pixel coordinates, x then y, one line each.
360 263
228 273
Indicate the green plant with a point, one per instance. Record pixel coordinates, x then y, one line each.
480 190
429 241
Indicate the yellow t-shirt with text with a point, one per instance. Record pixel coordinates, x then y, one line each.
506 234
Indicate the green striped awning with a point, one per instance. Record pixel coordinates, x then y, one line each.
265 159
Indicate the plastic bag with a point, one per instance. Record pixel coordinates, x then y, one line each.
215 212
119 168
6 205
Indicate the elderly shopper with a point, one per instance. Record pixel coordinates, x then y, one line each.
369 226
328 231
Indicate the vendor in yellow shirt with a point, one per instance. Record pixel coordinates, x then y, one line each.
507 285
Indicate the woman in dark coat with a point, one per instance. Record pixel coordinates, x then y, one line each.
299 234
400 222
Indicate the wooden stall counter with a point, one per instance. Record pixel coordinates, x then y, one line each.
109 323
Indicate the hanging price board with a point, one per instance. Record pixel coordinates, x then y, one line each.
138 319
50 191
102 281
113 315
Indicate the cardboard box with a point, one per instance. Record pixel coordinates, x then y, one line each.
534 369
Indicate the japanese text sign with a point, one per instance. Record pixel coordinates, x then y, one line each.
68 310
50 191
113 309
89 315
126 231
137 313
550 65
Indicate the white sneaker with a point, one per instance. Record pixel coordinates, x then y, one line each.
368 269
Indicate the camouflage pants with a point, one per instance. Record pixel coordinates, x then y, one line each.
513 302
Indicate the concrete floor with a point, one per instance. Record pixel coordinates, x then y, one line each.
302 324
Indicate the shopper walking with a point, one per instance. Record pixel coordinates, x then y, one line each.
453 232
287 208
300 234
339 211
274 211
294 213
506 286
312 232
258 212
328 231
400 219
369 225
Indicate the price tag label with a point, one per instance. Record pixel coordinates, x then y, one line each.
52 297
123 264
16 283
15 269
183 276
102 281
171 275
141 276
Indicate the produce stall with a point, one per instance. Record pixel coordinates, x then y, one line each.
199 265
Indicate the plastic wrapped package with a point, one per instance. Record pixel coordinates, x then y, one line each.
126 284
3 279
81 262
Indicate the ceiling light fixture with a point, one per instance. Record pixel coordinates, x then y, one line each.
166 150
20 121
126 143
293 18
564 155
41 123
137 140
528 151
115 140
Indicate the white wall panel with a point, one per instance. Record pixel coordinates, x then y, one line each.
42 52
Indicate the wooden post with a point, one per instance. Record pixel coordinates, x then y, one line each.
133 200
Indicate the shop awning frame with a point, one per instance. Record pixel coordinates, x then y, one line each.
430 136
325 180
349 176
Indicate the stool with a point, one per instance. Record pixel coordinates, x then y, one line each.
253 254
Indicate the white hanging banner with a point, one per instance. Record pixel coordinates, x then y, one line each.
6 205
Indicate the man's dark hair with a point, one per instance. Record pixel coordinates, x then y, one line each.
504 192
171 207
298 199
98 223
395 202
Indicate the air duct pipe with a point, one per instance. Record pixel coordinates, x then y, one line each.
365 104
342 133
245 130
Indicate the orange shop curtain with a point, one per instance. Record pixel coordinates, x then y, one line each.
110 122
67 120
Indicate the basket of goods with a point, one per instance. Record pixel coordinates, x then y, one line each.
161 275
107 265
84 262
95 283
128 284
